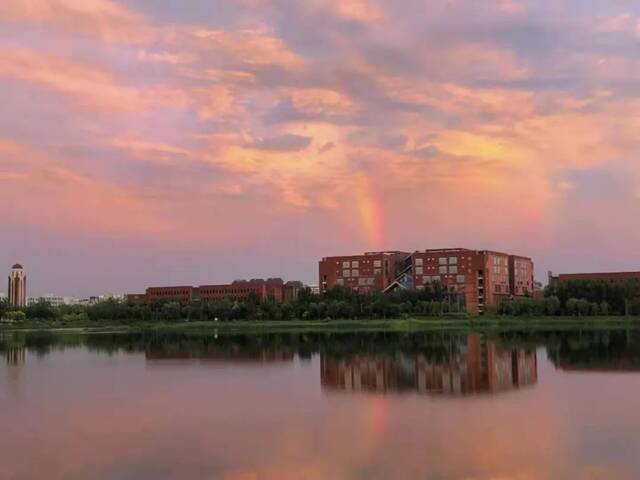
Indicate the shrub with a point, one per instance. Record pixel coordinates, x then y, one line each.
15 316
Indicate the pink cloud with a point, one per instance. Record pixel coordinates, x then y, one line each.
88 86
106 19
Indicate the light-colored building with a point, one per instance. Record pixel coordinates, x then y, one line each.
17 291
53 300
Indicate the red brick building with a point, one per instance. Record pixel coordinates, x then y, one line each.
479 278
364 273
274 288
473 278
613 277
182 294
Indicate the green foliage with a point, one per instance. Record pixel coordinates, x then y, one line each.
633 306
339 303
15 316
40 310
75 317
618 296
580 307
527 306
4 307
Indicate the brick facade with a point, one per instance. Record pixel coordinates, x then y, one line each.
475 278
274 288
613 277
364 273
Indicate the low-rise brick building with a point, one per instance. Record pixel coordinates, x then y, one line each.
275 288
612 277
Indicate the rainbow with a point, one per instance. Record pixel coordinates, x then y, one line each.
370 211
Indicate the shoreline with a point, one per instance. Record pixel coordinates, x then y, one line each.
292 326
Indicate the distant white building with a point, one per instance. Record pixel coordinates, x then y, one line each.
53 300
113 296
57 300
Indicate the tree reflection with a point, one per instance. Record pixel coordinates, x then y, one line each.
434 362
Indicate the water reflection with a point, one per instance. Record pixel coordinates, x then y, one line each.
156 406
441 362
597 351
479 366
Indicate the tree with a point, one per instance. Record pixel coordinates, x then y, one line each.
171 311
16 316
42 310
4 307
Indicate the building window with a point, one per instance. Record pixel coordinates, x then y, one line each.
498 288
377 263
377 271
370 280
419 262
435 278
346 273
419 270
355 264
453 269
426 279
443 270
355 273
345 265
340 282
453 260
362 281
442 260
460 279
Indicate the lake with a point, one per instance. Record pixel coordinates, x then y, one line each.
431 405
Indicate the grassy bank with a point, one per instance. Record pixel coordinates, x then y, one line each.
407 324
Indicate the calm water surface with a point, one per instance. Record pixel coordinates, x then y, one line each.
554 405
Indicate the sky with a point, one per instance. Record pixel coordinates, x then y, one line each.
165 143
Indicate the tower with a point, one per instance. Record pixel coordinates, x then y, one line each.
17 286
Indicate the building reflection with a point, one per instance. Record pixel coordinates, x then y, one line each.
15 356
479 366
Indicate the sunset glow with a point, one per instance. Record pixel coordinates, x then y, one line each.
203 141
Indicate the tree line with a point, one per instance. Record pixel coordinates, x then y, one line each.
579 298
338 303
574 298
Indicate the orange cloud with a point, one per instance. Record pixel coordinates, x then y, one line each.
251 46
322 101
365 11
